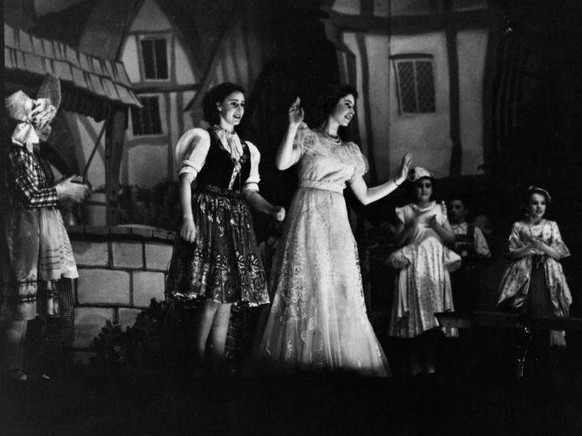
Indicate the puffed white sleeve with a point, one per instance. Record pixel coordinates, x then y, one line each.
304 140
358 160
252 182
191 151
400 214
557 243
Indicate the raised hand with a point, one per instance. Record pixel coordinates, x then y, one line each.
432 222
296 113
42 113
405 165
534 242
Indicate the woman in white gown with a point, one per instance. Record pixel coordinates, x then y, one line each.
318 317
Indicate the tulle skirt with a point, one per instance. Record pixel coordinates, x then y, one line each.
318 316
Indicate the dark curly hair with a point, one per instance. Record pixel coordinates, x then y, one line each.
217 95
329 98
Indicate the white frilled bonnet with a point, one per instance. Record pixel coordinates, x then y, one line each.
32 115
418 173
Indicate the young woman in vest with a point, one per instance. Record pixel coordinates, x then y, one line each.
215 257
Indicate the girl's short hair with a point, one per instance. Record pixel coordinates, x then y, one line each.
329 98
217 95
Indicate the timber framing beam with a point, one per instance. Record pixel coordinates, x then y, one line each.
413 24
162 87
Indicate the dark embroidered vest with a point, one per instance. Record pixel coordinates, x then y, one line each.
465 244
217 169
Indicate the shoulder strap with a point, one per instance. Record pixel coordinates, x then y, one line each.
471 233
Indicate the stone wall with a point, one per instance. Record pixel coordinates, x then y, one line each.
120 270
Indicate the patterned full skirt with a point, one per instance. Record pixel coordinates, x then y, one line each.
35 251
222 264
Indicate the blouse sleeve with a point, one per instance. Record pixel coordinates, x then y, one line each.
557 243
514 241
252 183
304 141
191 151
358 160
26 181
481 247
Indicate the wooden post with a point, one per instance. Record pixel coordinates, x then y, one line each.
455 168
114 143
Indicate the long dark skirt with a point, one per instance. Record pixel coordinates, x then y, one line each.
538 301
223 263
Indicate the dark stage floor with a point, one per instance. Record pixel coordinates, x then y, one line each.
475 393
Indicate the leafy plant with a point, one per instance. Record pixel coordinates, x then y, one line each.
159 338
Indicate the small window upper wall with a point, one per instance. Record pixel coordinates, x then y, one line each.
164 78
147 121
415 83
153 54
154 57
400 55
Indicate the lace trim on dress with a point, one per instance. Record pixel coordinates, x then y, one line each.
304 139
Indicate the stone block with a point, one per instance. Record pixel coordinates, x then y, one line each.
90 253
96 230
158 256
143 231
127 316
160 234
75 230
88 324
147 285
103 286
127 254
119 230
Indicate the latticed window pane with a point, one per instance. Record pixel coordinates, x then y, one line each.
161 59
425 86
146 121
155 60
149 62
415 80
407 88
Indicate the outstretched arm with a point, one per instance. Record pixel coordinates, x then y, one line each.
368 195
28 189
258 202
286 154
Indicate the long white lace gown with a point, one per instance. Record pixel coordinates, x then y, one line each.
318 316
